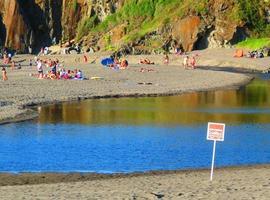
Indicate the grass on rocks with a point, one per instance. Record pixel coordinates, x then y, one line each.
254 43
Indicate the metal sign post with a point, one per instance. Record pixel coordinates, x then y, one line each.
215 132
213 160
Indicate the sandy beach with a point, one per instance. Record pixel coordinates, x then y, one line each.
229 183
22 91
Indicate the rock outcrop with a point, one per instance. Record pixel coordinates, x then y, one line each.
26 25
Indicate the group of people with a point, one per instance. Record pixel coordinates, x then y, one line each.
44 51
255 54
118 63
56 70
260 53
189 62
7 58
147 61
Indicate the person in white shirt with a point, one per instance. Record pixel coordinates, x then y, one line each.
40 69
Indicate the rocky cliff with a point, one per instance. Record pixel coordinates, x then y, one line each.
134 26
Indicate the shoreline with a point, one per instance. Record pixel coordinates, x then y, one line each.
34 178
249 182
31 112
21 92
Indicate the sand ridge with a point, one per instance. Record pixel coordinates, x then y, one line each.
22 91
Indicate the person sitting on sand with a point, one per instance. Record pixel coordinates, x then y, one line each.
116 61
58 75
66 75
69 74
51 75
62 73
124 64
146 61
4 74
79 75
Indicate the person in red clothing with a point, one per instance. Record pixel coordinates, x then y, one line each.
192 62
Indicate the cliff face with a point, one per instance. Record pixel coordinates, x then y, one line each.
35 23
136 26
13 27
29 24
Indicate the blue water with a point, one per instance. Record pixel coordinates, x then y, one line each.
28 147
141 134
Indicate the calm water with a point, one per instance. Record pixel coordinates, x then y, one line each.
141 134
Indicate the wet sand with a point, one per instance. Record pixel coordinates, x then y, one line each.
21 92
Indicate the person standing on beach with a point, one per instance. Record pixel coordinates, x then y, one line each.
40 69
12 65
166 59
4 74
193 62
85 58
185 62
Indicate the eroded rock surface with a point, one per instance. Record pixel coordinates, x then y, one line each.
28 25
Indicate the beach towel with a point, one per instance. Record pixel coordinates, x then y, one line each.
96 78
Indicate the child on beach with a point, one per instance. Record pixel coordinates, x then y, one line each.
4 74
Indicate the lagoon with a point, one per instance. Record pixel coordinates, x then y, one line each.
142 134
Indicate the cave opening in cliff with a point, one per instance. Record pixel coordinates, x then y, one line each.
203 40
2 32
44 21
239 35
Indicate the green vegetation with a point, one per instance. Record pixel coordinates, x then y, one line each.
252 12
109 46
85 26
140 17
144 16
254 43
75 5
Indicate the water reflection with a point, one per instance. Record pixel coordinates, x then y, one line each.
248 105
141 134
